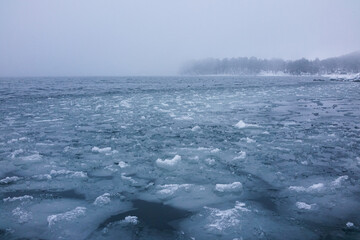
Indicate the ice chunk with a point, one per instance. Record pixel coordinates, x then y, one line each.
210 161
249 140
33 158
122 164
215 150
22 215
9 180
231 187
196 128
223 219
350 224
16 152
337 182
242 155
169 189
302 205
168 163
42 177
131 220
21 198
125 103
186 118
130 179
101 150
313 188
242 124
68 173
66 216
102 200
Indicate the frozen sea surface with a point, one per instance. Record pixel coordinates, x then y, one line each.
179 158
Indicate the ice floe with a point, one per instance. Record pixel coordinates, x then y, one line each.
242 124
313 188
21 198
338 181
170 189
127 178
131 220
16 152
102 200
122 164
223 219
32 158
101 150
302 205
242 155
9 180
350 224
169 164
66 216
196 128
22 215
68 173
231 187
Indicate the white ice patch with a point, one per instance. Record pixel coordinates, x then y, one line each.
196 128
125 103
101 150
215 150
42 177
231 187
130 179
337 182
68 174
22 215
66 216
122 164
102 200
185 118
210 161
302 205
131 220
241 155
242 124
249 140
313 188
170 189
32 158
223 219
15 153
350 224
9 179
21 198
168 163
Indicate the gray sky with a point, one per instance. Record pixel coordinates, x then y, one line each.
114 37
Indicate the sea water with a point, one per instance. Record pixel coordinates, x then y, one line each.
179 158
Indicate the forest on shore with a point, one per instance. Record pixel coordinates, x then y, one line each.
349 63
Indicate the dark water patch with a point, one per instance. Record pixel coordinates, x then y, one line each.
71 194
100 177
333 230
265 202
153 215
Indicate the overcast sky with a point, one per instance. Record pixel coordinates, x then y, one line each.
114 37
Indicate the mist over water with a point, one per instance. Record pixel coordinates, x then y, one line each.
112 38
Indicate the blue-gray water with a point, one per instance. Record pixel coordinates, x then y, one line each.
179 158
